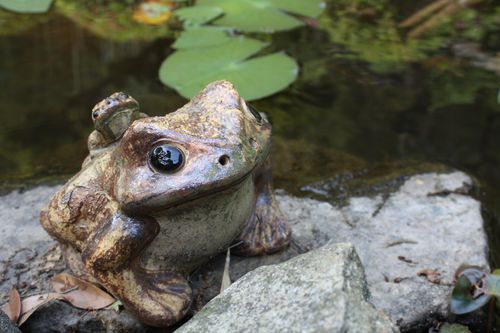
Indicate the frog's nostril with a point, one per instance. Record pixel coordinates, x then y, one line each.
224 159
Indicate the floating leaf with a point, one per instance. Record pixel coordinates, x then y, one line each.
467 295
81 294
26 6
263 15
189 70
154 12
13 308
197 37
198 14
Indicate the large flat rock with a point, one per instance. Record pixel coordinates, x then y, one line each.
429 223
320 291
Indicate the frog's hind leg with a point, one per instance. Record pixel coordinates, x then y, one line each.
266 230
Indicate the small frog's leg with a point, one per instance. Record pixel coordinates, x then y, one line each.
112 256
266 231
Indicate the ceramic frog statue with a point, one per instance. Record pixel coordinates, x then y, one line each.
159 196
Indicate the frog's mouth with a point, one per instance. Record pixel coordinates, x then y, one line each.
157 205
233 186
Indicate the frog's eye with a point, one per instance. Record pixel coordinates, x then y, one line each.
255 113
247 108
166 158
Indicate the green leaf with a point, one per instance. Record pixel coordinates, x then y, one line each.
198 14
189 70
263 15
492 286
26 6
198 37
463 299
116 305
453 328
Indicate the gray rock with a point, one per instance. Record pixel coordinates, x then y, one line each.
29 257
321 291
6 326
429 223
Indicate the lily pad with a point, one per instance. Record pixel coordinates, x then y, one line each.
197 15
26 6
197 37
263 15
189 70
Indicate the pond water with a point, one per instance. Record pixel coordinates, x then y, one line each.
367 94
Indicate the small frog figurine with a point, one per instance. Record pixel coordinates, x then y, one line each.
159 196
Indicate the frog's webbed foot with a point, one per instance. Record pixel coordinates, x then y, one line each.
158 299
266 231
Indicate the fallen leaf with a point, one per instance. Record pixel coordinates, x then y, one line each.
226 279
13 308
431 275
81 294
30 304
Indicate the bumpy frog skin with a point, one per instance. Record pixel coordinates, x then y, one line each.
159 196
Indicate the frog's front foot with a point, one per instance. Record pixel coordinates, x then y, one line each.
266 231
111 255
158 299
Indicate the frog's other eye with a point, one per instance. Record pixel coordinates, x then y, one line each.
255 113
166 158
250 109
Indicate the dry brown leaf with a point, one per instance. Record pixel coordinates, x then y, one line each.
431 274
32 303
81 294
226 279
13 308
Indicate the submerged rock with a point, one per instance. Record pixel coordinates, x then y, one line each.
321 291
426 225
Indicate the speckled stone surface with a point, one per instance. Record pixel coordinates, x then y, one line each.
320 291
426 224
